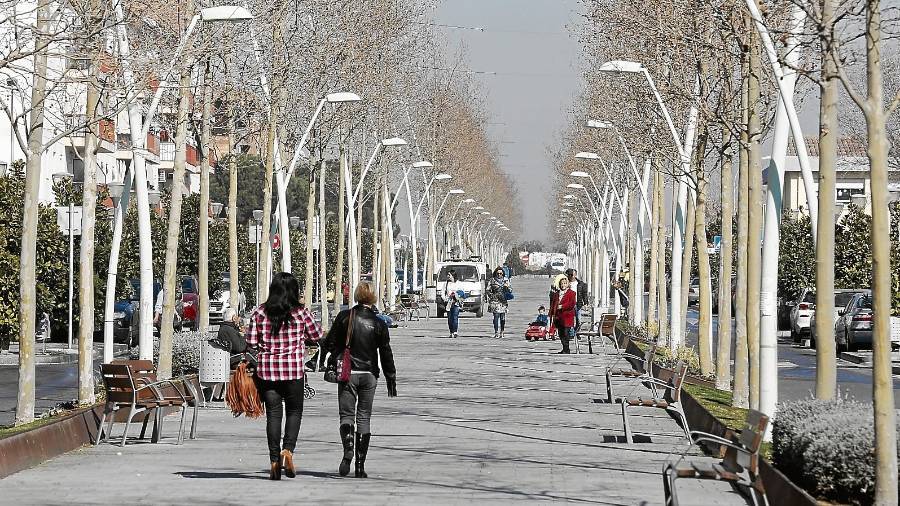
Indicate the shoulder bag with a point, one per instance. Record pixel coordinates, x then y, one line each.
341 372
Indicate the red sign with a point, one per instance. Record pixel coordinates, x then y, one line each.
276 241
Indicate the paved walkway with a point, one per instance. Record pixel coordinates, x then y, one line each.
477 421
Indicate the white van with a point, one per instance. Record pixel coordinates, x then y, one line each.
470 278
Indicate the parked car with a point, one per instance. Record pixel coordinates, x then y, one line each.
841 299
694 292
855 324
189 302
786 304
803 309
218 305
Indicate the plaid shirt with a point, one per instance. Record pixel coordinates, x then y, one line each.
281 357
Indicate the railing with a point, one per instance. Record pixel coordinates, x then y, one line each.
167 151
78 124
123 142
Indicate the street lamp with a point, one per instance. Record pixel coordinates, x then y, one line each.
139 121
257 235
216 208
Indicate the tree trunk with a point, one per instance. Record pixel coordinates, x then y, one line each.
723 354
882 382
704 327
262 275
170 273
310 227
86 259
741 390
28 255
233 262
661 258
754 224
654 251
203 240
829 133
339 266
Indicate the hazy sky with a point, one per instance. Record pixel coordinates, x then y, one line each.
528 45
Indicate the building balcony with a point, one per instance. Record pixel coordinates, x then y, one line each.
125 146
77 124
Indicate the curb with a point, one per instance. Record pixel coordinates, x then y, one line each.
858 359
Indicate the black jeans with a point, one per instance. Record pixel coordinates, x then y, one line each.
281 396
355 401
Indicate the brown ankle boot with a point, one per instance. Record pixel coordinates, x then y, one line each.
275 470
287 462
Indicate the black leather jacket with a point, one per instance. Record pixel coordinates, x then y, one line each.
369 340
229 332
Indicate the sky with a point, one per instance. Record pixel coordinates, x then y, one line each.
527 43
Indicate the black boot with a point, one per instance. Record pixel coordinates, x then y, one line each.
362 447
347 441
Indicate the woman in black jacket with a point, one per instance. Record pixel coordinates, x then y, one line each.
369 340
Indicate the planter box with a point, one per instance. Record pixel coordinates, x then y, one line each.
30 448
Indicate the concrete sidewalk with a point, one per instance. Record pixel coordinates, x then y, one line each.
478 421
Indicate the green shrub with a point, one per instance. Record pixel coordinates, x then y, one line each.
185 352
827 448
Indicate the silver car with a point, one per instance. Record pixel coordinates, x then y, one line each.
841 299
854 326
802 311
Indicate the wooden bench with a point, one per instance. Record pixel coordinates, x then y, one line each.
739 465
670 401
125 390
186 389
633 375
396 311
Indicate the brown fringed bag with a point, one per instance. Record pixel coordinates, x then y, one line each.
242 396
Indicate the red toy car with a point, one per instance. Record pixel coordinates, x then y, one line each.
536 332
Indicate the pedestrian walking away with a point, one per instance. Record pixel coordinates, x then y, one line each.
453 304
565 314
368 340
279 329
499 292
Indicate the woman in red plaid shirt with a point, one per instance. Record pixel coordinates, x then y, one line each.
279 329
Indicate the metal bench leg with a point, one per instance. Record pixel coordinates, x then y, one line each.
628 438
609 396
100 427
181 427
682 419
144 426
127 424
669 485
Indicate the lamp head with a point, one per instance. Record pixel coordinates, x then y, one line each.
486 213
575 185
423 164
586 155
226 13
593 123
443 176
478 208
216 208
257 214
393 141
579 173
469 201
621 66
570 197
457 191
337 98
115 190
62 176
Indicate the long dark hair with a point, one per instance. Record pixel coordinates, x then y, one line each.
284 297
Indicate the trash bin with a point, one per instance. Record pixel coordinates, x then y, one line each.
215 364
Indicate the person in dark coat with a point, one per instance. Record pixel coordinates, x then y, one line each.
230 332
369 342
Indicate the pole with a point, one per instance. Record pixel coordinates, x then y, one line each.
256 236
71 269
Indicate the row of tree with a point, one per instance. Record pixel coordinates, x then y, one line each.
728 76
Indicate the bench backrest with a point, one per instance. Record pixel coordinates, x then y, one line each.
751 438
649 357
607 324
680 371
118 383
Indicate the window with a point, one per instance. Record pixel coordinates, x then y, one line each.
462 272
844 192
